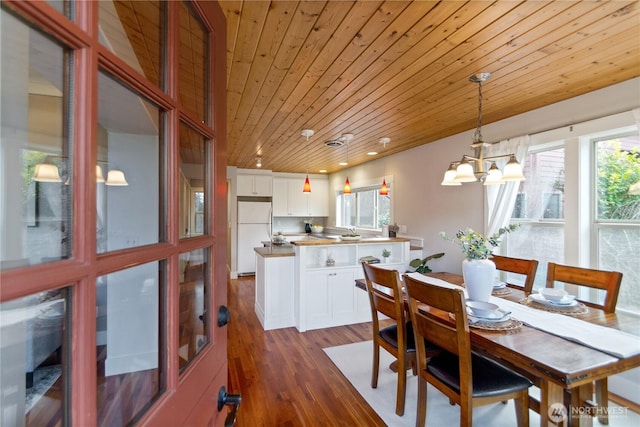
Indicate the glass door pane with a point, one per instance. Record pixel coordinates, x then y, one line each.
35 162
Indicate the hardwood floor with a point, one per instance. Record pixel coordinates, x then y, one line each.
284 377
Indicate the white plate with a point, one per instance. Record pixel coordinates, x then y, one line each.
499 284
499 315
568 301
350 238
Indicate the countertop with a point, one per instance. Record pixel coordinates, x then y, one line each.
275 251
288 249
317 241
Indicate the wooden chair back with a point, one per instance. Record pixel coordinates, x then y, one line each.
525 267
453 338
385 293
608 281
386 296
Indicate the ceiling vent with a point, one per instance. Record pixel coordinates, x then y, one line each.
340 141
334 143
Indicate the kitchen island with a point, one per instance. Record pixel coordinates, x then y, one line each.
296 286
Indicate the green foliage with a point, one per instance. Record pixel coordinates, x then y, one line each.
476 246
617 171
421 266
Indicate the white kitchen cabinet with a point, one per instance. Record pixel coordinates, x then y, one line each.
254 185
326 296
289 200
331 300
274 304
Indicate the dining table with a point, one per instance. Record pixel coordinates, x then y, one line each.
555 360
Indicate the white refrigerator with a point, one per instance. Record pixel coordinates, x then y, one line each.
254 227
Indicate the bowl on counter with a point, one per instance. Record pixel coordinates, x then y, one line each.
317 229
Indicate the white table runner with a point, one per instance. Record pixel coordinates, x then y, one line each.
608 340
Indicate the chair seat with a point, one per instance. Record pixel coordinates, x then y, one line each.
390 335
489 378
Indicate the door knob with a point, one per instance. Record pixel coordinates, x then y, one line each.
232 400
223 315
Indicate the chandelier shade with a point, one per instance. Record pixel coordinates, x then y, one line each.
46 172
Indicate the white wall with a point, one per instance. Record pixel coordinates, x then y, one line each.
426 207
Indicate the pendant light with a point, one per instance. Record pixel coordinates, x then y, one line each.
472 168
307 185
384 190
347 185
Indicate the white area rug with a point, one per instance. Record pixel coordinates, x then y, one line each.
355 360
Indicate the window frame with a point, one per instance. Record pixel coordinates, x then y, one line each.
361 188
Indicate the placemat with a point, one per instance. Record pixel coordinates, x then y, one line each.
577 310
508 325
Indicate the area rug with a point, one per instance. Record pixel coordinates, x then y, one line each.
354 361
43 379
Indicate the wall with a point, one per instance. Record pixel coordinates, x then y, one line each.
426 207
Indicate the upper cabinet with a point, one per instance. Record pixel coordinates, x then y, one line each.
289 200
255 185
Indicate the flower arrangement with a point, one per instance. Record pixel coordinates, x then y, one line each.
386 253
476 246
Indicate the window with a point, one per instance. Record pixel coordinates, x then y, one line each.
606 237
538 211
617 214
363 208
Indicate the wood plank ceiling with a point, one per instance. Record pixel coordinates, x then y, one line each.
400 69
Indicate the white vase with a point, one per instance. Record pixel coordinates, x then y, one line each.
478 278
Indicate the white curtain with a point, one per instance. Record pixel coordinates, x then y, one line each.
500 199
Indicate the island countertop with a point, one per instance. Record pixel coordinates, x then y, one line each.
275 251
337 241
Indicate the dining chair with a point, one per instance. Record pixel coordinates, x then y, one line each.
609 282
387 297
465 378
525 267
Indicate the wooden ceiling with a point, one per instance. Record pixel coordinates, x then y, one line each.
401 69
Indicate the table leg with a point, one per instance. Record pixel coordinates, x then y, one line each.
552 409
579 397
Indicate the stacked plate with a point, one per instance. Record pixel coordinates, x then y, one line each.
552 297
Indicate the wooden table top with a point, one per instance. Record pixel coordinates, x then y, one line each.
566 363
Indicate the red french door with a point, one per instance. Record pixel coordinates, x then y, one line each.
113 180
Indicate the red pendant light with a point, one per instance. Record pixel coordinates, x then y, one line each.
307 186
384 191
347 187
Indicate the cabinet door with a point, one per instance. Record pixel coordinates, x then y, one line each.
245 185
318 302
319 198
343 296
298 201
280 198
254 185
263 185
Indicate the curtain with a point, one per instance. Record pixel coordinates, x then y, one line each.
500 199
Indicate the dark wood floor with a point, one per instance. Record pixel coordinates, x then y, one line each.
284 376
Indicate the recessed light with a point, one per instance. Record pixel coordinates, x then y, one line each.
322 171
343 163
372 153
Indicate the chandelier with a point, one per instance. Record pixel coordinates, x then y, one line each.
472 168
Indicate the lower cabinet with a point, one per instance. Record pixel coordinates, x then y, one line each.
274 304
333 300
